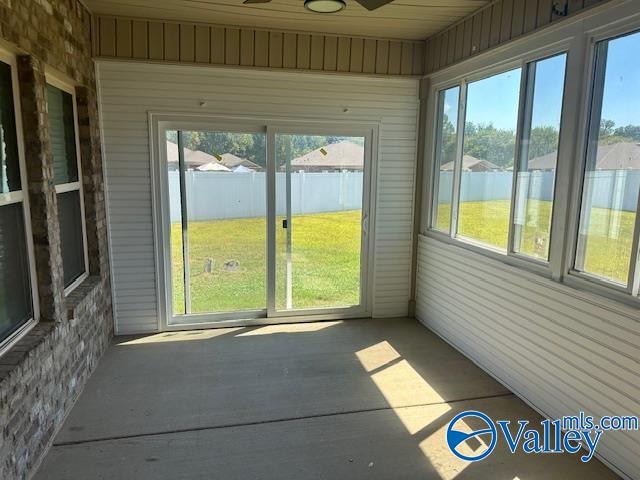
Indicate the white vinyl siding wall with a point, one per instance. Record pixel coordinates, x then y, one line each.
562 350
128 91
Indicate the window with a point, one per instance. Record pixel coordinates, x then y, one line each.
68 186
446 144
16 297
608 226
486 170
494 187
536 172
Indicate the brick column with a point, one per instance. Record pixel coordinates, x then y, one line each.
92 181
42 194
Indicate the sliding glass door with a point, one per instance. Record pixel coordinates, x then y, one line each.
262 222
319 221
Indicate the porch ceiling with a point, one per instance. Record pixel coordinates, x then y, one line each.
403 19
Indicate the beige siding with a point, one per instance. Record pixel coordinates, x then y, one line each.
199 43
128 90
498 22
562 350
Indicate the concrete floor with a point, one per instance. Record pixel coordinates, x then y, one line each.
334 400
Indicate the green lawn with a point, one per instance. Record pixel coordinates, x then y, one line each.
608 248
228 263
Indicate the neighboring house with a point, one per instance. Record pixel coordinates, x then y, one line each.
472 164
242 169
344 155
232 161
214 166
616 156
194 159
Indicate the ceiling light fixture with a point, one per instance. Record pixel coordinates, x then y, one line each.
324 6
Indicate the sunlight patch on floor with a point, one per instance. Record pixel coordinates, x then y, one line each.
289 328
181 336
446 463
402 386
377 356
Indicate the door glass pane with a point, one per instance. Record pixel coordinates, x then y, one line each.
224 195
319 218
446 140
487 165
9 164
71 236
612 174
537 172
15 288
63 139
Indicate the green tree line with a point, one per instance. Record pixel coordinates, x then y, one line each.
486 142
253 146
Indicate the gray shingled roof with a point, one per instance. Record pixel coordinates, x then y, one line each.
344 154
471 164
616 156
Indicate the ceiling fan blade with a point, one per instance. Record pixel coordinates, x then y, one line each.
373 4
249 2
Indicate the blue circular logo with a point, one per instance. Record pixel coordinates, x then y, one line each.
456 437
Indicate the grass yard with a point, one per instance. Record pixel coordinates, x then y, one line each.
608 249
228 263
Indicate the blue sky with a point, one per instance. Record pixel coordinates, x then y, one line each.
495 99
622 82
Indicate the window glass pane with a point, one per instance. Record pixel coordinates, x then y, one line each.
612 174
9 164
70 217
489 151
62 130
447 137
536 175
219 245
15 288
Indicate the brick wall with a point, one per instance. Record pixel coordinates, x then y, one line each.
42 375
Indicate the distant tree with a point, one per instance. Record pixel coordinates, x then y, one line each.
606 128
543 140
630 132
447 141
486 142
609 134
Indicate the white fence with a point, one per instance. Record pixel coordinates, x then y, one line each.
609 188
220 195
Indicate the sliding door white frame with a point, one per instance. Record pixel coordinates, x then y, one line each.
160 123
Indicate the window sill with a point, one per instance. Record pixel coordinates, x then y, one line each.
16 355
20 351
81 295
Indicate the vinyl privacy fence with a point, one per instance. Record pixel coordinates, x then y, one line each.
609 188
223 195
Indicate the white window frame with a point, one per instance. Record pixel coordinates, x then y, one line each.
9 58
577 36
57 80
509 255
577 277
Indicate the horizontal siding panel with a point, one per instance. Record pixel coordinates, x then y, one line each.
561 349
129 90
